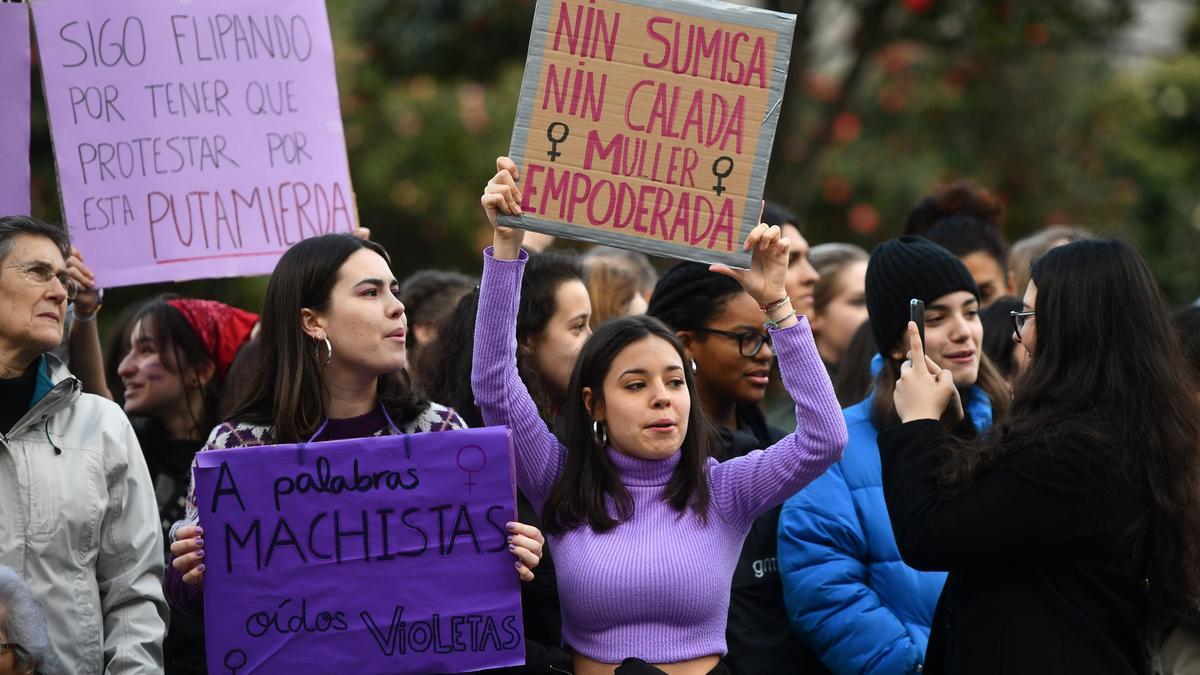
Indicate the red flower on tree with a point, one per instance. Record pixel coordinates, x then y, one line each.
835 189
863 219
846 127
918 6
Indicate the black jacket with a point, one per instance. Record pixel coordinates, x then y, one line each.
1046 572
759 636
170 466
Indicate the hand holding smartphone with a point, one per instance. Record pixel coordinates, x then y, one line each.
916 314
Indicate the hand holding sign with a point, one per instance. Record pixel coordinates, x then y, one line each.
765 280
188 549
503 196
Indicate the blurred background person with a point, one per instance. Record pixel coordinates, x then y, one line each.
636 262
968 221
854 377
1026 250
429 296
839 299
1008 355
614 289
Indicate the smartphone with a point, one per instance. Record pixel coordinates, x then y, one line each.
916 314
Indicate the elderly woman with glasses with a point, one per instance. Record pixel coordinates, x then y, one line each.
24 643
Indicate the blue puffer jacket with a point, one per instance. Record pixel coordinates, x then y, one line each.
847 591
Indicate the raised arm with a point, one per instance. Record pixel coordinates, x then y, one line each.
746 486
499 391
83 343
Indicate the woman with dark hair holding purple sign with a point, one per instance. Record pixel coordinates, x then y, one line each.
647 528
331 358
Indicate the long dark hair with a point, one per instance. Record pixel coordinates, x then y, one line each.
997 333
1108 370
852 383
285 389
444 370
175 336
589 479
544 274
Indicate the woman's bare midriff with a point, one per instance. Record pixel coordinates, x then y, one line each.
697 666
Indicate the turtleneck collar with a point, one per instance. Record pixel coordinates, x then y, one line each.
635 472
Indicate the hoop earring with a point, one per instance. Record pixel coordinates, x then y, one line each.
599 434
329 347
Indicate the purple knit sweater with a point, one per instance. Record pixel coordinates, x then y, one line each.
657 586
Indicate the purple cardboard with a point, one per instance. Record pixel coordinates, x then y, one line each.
14 109
193 139
292 583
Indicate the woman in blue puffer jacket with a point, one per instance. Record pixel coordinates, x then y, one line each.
847 591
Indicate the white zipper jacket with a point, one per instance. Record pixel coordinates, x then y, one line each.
79 522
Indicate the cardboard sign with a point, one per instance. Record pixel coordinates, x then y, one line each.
374 555
193 139
648 124
14 109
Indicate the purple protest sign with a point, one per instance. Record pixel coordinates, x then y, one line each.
193 139
14 109
374 555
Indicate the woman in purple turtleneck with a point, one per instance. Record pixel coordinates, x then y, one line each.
647 528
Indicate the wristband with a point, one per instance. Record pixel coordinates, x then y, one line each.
774 305
770 324
85 318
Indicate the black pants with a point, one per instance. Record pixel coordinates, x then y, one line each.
639 667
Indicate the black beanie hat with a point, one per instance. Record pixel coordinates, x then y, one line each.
903 269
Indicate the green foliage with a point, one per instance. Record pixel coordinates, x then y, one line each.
1022 96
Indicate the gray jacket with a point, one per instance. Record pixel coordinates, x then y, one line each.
79 522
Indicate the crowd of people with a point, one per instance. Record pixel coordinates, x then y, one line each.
725 471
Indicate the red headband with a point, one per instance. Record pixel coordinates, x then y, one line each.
222 329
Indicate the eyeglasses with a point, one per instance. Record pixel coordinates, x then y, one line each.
750 343
1020 319
39 274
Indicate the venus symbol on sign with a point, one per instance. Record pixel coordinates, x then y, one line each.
471 459
721 174
566 131
235 659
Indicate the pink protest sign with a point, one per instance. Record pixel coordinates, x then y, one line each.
648 124
373 555
193 139
14 109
